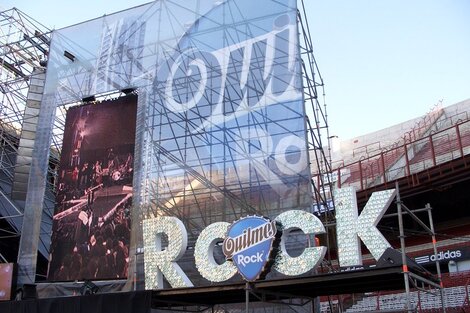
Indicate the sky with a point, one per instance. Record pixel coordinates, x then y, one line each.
382 61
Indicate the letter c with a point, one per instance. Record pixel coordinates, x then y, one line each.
204 254
311 257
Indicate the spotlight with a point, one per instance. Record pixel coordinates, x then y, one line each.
127 91
89 99
69 55
88 288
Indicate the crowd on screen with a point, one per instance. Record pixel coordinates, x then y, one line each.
97 252
91 238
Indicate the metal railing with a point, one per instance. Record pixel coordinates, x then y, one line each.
407 159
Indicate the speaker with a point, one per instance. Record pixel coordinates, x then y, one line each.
27 291
393 257
89 288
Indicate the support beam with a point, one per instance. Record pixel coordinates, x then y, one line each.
28 135
30 176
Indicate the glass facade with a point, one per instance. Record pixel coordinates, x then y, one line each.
221 128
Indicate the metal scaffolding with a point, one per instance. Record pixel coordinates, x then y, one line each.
24 46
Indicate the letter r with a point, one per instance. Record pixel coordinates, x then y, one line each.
158 262
241 259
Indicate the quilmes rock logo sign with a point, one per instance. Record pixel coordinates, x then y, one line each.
250 242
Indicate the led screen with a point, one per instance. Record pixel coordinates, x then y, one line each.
91 224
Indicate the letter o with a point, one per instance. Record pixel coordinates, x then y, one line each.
192 65
282 163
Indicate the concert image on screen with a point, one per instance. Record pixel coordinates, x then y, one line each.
91 224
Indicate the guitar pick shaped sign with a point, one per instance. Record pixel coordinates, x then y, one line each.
249 244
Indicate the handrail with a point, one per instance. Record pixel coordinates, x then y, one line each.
415 133
401 146
374 168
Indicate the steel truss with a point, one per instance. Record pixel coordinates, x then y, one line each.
317 122
316 118
195 216
418 281
24 46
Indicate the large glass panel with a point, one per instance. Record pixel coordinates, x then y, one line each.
221 123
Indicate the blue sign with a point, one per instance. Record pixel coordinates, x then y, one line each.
249 244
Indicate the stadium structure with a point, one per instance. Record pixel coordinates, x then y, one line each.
208 112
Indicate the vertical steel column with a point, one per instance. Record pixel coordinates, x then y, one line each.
438 267
247 296
136 240
459 139
360 175
28 135
338 183
384 170
408 170
34 178
403 256
433 152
